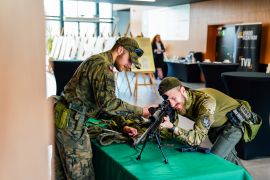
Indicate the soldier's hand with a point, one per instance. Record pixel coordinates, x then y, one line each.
166 123
130 131
146 113
165 119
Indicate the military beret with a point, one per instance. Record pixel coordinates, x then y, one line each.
167 84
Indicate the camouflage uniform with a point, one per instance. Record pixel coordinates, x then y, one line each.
208 108
93 87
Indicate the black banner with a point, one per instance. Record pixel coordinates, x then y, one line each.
247 46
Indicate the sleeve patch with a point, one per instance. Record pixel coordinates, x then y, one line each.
206 122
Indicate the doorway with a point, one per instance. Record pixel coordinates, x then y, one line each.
220 42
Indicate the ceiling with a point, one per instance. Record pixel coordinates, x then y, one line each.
156 3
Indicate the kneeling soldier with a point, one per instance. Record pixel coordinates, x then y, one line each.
224 119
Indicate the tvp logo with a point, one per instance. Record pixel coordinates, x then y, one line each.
245 62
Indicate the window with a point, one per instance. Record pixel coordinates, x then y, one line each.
71 28
78 17
80 28
105 29
52 7
88 28
52 12
52 28
105 10
79 9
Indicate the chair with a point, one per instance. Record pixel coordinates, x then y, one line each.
63 71
198 56
253 87
212 74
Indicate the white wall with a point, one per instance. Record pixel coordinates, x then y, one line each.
136 23
172 23
136 15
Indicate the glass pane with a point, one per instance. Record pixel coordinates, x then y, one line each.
105 10
71 28
105 28
79 9
87 28
52 28
52 7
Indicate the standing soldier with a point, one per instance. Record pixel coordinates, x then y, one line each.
91 93
224 119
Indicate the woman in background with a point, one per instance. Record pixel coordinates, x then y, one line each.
158 50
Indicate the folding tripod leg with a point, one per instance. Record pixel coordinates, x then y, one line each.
144 143
160 148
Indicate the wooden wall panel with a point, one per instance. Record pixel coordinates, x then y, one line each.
211 42
217 12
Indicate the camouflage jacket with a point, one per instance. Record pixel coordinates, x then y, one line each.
207 108
93 86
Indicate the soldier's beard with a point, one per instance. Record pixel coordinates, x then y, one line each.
182 109
117 64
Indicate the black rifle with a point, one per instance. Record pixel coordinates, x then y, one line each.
153 130
188 148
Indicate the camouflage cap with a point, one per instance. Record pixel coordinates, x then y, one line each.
167 84
133 48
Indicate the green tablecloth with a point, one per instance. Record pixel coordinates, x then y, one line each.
118 161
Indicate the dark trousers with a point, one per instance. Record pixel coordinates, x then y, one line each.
224 140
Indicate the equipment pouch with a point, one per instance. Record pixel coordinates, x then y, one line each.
61 115
252 123
251 128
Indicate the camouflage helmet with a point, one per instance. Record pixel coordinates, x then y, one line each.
167 84
133 48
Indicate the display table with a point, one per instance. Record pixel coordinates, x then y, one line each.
212 73
118 161
187 72
253 87
63 71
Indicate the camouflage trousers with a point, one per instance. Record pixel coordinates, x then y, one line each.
224 140
73 153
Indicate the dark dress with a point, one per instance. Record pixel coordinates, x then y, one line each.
159 58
